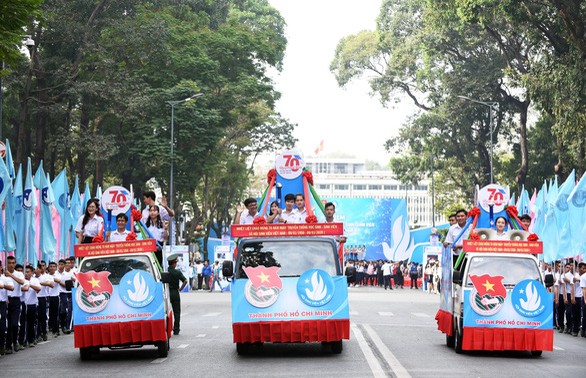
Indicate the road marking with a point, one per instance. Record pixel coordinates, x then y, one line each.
215 327
375 367
420 314
389 357
201 335
557 348
386 314
212 314
182 346
43 342
353 312
159 360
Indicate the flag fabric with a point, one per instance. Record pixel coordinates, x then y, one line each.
39 174
48 243
96 282
60 188
28 206
5 181
577 217
549 235
489 285
524 204
86 196
512 200
320 147
531 207
561 215
9 161
18 219
538 209
74 214
9 239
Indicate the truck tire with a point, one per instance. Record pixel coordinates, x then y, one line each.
337 346
242 348
450 341
536 353
85 354
458 341
163 348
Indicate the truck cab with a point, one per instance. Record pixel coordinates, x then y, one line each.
288 290
121 299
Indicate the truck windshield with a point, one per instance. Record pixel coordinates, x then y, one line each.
294 257
118 266
512 269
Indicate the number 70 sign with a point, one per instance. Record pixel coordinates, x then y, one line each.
116 198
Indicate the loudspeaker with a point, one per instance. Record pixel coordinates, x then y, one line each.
517 235
485 233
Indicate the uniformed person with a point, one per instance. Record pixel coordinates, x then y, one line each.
176 277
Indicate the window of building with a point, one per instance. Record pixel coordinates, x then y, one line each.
324 186
341 187
340 168
359 187
375 187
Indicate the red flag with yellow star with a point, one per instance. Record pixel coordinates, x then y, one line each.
491 285
263 276
96 282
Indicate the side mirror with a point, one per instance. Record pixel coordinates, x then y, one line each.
228 268
350 274
165 277
457 277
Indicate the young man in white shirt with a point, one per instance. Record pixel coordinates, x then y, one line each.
165 211
247 217
569 299
65 305
454 231
5 286
577 302
16 281
31 302
289 215
582 272
54 299
121 232
46 283
300 210
23 314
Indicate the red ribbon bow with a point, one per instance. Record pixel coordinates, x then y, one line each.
259 220
311 219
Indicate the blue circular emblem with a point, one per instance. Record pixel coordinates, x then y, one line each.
315 287
27 201
64 201
45 196
1 185
137 288
528 298
562 202
579 198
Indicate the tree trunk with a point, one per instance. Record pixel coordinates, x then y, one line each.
521 173
84 129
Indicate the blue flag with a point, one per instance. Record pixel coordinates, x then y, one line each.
561 215
60 188
86 196
39 174
9 162
75 213
29 203
539 208
577 217
48 243
18 219
9 239
5 181
549 235
524 203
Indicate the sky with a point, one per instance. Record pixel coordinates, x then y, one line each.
348 120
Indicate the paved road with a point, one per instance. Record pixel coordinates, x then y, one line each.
393 334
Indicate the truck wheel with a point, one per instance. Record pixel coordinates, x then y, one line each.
536 353
163 348
450 341
337 346
242 348
458 344
85 354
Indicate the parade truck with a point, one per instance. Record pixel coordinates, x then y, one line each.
492 296
121 299
288 289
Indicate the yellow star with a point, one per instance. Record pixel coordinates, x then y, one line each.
488 286
263 277
95 282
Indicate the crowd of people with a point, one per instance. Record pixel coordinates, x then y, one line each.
395 274
35 302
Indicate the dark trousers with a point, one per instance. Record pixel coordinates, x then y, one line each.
31 323
23 324
576 312
65 310
206 280
387 281
561 309
42 316
54 314
583 315
176 305
569 312
199 281
3 321
413 280
13 318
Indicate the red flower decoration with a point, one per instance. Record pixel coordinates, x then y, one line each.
512 211
131 236
533 237
474 236
309 176
311 218
474 212
272 175
132 207
98 239
136 215
259 220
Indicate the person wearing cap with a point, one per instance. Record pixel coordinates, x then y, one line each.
175 278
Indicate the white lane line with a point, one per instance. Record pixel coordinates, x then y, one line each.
159 360
398 369
386 313
420 315
375 367
201 335
182 346
353 312
212 314
215 327
557 348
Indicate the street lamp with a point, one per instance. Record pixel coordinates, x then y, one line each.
491 106
171 193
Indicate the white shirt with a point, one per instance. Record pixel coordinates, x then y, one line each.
300 215
386 269
498 236
116 236
246 218
453 232
23 292
54 291
44 289
569 285
198 268
16 292
577 289
162 212
4 292
291 217
583 281
92 227
156 232
30 297
65 276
